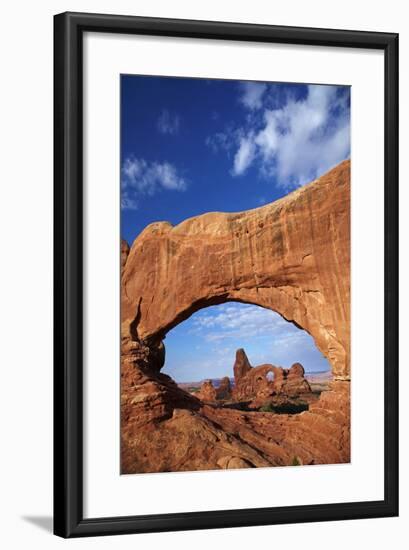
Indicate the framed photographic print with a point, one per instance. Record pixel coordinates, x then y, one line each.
226 299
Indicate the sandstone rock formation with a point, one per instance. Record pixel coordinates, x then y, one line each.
253 384
241 366
295 382
207 391
124 254
224 389
291 256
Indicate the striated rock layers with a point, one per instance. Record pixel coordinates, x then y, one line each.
291 256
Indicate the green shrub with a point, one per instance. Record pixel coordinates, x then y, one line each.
285 408
267 408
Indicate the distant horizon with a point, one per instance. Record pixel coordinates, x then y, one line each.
231 378
207 341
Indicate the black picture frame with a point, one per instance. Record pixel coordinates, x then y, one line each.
68 274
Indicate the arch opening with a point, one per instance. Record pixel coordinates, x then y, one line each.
291 303
278 257
203 353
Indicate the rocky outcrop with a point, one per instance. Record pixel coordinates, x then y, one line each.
295 382
253 382
291 256
255 386
241 366
207 391
147 395
224 390
124 254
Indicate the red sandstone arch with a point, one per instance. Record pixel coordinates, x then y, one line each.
291 256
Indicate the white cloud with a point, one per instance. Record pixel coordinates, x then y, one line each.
295 142
168 123
220 141
244 155
252 94
267 139
132 169
165 174
241 321
304 138
140 177
218 331
128 202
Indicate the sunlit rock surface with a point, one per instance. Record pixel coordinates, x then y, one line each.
291 256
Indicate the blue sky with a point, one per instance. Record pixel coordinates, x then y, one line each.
205 345
190 146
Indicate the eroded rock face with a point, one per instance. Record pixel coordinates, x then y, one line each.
255 386
233 462
207 391
253 382
224 390
290 382
241 366
295 383
124 254
291 256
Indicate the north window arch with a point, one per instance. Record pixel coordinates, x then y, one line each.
204 345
